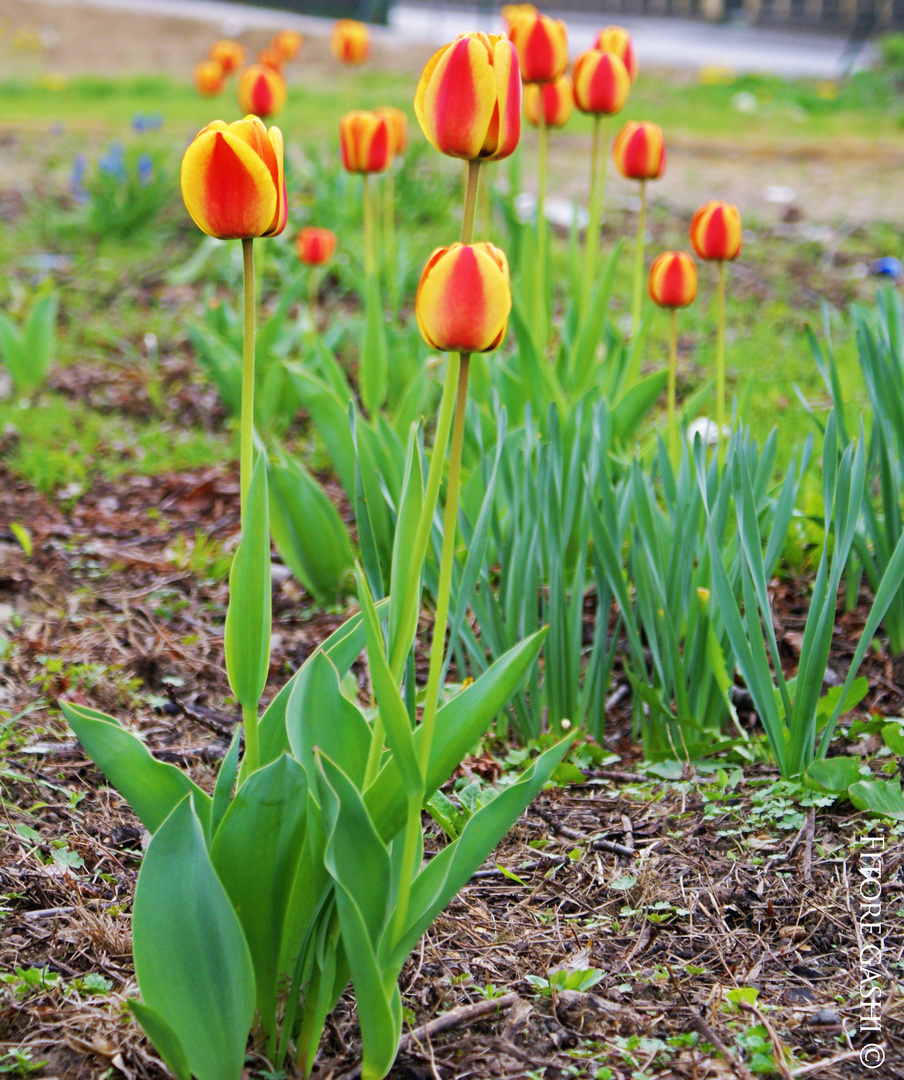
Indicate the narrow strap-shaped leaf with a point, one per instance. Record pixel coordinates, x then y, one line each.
404 602
226 777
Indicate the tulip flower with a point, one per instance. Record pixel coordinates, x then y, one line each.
350 41
542 46
262 91
511 12
601 86
716 235
617 40
271 58
315 246
366 142
558 102
398 127
288 44
639 154
464 298
232 180
673 284
228 54
468 99
209 78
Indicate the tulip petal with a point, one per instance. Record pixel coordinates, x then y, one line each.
460 99
463 300
508 92
227 188
275 147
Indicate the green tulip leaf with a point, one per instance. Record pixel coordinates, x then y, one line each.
191 958
374 373
226 777
164 1039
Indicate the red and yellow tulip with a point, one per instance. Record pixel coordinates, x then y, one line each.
350 41
468 100
464 298
271 58
366 142
209 78
542 46
261 90
617 40
511 12
673 279
228 54
601 83
639 151
233 182
288 44
398 127
557 98
716 231
315 246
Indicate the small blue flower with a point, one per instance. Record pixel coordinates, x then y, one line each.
139 123
113 162
145 167
77 178
155 121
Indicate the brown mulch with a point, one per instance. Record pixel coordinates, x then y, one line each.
676 892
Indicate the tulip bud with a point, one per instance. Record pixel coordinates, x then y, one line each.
233 182
209 78
262 91
288 44
468 100
464 298
542 46
558 102
673 279
315 246
228 54
366 142
511 12
350 41
398 127
617 40
639 151
716 231
601 83
271 58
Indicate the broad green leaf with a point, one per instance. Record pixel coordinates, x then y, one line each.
38 338
255 854
631 409
330 416
459 725
226 777
163 1037
307 529
893 737
320 717
191 958
248 620
833 774
359 863
449 871
152 788
373 374
879 797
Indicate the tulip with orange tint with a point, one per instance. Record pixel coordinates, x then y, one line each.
209 78
262 90
601 83
228 54
673 279
511 12
558 102
716 231
639 151
233 182
350 41
542 46
464 298
468 99
288 44
315 246
272 58
398 127
617 40
365 141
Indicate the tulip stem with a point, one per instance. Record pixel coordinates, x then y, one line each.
450 526
369 262
392 277
470 212
720 354
673 383
542 180
246 462
485 210
638 261
597 190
